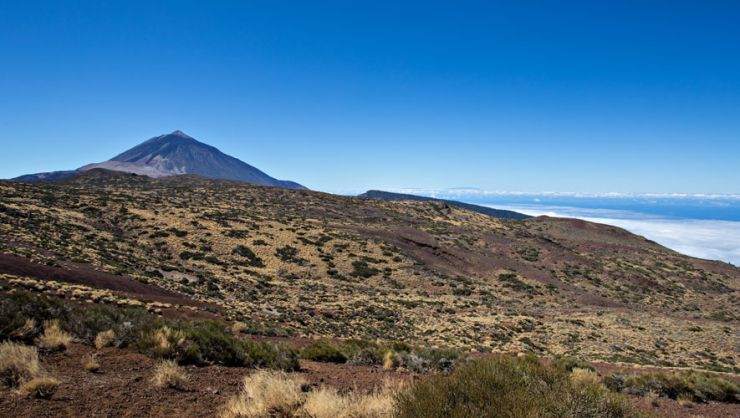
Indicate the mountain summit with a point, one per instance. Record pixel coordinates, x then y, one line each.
174 154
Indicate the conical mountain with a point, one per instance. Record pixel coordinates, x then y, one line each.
177 153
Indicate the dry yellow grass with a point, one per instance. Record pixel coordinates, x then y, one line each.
166 338
40 387
53 338
328 403
265 393
25 331
104 339
324 403
388 360
18 363
686 401
270 393
238 327
584 377
373 405
168 374
91 363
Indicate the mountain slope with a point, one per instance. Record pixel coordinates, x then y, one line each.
317 264
390 196
175 154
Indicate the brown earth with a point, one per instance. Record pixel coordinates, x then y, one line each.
77 273
122 388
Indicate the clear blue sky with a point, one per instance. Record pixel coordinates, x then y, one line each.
623 96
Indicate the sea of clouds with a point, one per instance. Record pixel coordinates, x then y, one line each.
708 239
700 225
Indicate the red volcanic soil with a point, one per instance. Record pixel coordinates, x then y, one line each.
82 274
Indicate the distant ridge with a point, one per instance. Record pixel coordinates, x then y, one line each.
496 213
175 154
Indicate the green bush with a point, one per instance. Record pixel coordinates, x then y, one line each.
509 387
325 351
368 353
252 259
199 342
19 306
205 342
700 387
570 363
360 268
128 324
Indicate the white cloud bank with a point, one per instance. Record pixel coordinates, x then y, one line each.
467 192
708 239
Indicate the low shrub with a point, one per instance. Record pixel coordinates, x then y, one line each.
699 387
389 355
510 387
22 311
325 351
570 363
362 269
199 342
206 342
127 324
251 258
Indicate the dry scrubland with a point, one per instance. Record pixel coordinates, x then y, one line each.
406 295
305 263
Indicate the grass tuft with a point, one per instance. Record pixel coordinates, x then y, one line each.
54 338
266 393
91 363
167 374
105 338
40 387
18 364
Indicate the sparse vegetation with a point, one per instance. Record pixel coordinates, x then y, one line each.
360 268
693 386
323 350
390 355
199 342
275 394
340 268
210 342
